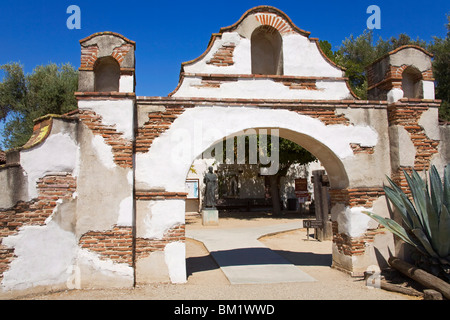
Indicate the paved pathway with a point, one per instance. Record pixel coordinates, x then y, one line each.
244 259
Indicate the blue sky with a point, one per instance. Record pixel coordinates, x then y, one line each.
170 32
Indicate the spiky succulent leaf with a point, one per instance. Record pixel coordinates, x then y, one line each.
425 242
443 235
419 191
446 193
436 190
393 227
426 219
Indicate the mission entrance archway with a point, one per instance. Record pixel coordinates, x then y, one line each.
135 233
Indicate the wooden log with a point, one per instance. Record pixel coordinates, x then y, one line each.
424 278
431 294
399 289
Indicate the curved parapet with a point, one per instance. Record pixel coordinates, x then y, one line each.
264 55
52 147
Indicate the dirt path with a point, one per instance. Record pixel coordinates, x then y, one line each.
207 282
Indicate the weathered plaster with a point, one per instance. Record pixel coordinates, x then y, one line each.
43 256
156 217
303 58
103 151
263 89
429 121
126 83
428 90
241 57
168 161
125 218
353 222
115 113
403 151
95 272
101 187
394 95
152 268
175 257
13 186
411 56
36 161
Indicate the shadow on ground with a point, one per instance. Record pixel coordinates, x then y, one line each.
255 256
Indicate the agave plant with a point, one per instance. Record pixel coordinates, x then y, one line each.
426 219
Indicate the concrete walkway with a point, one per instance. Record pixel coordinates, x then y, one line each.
245 260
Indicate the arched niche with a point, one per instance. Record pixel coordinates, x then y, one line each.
412 83
267 51
107 75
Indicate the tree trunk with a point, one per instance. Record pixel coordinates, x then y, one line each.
275 194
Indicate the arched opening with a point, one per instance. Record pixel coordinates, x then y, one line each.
243 186
167 163
412 83
107 75
267 51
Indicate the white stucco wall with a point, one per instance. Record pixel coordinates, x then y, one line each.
126 83
166 164
301 58
44 254
58 153
118 113
175 258
156 217
263 89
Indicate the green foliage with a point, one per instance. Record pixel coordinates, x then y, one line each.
441 69
289 153
23 98
355 54
426 219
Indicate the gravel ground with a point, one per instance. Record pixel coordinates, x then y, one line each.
207 282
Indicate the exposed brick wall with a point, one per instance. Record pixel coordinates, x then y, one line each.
115 244
88 56
122 148
393 77
360 197
407 113
119 53
353 246
299 84
357 149
213 82
328 116
144 247
273 20
223 56
51 188
158 122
